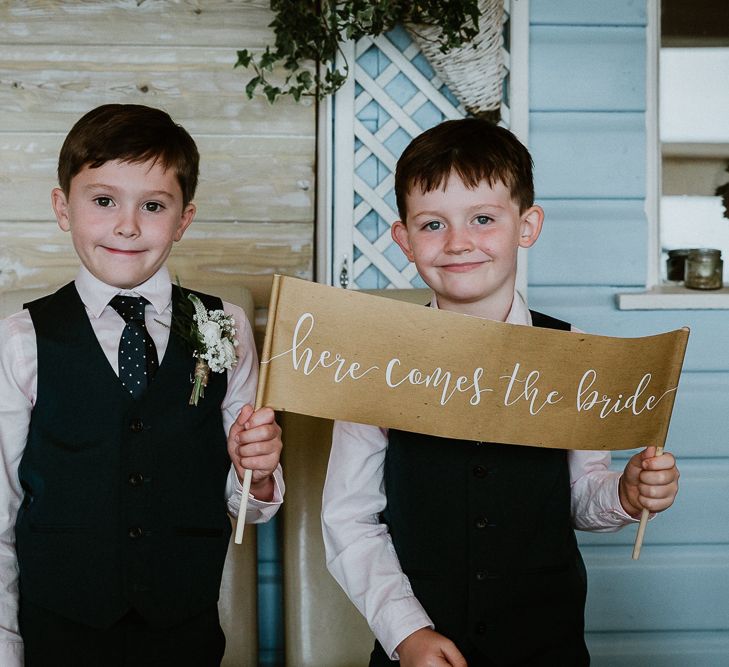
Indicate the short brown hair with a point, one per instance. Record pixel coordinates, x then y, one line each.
476 150
129 133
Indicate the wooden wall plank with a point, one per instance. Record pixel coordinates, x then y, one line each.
696 431
698 427
241 177
590 242
668 589
688 522
590 69
50 89
588 12
235 23
257 173
668 649
588 155
593 310
257 178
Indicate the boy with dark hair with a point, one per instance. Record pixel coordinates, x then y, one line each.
116 490
463 552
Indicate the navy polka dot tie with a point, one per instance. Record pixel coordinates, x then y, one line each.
137 353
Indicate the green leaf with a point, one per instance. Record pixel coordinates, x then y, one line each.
251 86
268 59
272 92
305 79
244 58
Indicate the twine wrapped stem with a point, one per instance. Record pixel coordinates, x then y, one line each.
200 381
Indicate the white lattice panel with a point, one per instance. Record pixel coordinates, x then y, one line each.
392 96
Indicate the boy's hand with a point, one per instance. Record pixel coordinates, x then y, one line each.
648 482
427 648
254 443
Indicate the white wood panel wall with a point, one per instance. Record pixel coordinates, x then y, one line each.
60 58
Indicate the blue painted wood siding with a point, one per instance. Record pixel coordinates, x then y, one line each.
587 136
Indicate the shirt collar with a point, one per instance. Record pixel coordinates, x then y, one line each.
96 294
518 314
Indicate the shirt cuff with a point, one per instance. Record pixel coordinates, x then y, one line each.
596 504
257 511
399 621
277 498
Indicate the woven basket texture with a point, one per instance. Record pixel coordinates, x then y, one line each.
475 71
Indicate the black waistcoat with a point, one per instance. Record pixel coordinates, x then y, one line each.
124 502
483 532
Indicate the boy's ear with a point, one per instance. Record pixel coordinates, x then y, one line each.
399 233
185 220
60 208
530 226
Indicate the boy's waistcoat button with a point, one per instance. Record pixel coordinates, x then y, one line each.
479 471
135 532
136 425
136 478
481 522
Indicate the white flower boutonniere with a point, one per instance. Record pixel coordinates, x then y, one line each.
213 333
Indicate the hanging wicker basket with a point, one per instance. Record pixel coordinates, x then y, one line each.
475 71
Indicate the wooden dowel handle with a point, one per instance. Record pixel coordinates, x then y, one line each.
240 523
643 523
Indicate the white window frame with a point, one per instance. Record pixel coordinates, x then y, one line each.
659 296
327 184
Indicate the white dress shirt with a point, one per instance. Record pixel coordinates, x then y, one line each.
18 390
359 551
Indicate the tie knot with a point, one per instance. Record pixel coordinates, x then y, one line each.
131 308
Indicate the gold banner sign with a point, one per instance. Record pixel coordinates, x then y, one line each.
345 355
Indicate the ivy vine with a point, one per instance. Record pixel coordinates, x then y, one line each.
311 31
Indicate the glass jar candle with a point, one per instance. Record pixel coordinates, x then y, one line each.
676 264
703 269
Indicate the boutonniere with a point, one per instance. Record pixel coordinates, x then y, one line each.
211 336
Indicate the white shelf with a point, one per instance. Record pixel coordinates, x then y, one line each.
675 297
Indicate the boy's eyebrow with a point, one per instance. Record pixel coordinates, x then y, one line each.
470 209
485 204
107 186
159 192
419 213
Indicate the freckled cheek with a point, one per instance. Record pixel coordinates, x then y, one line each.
425 257
429 246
